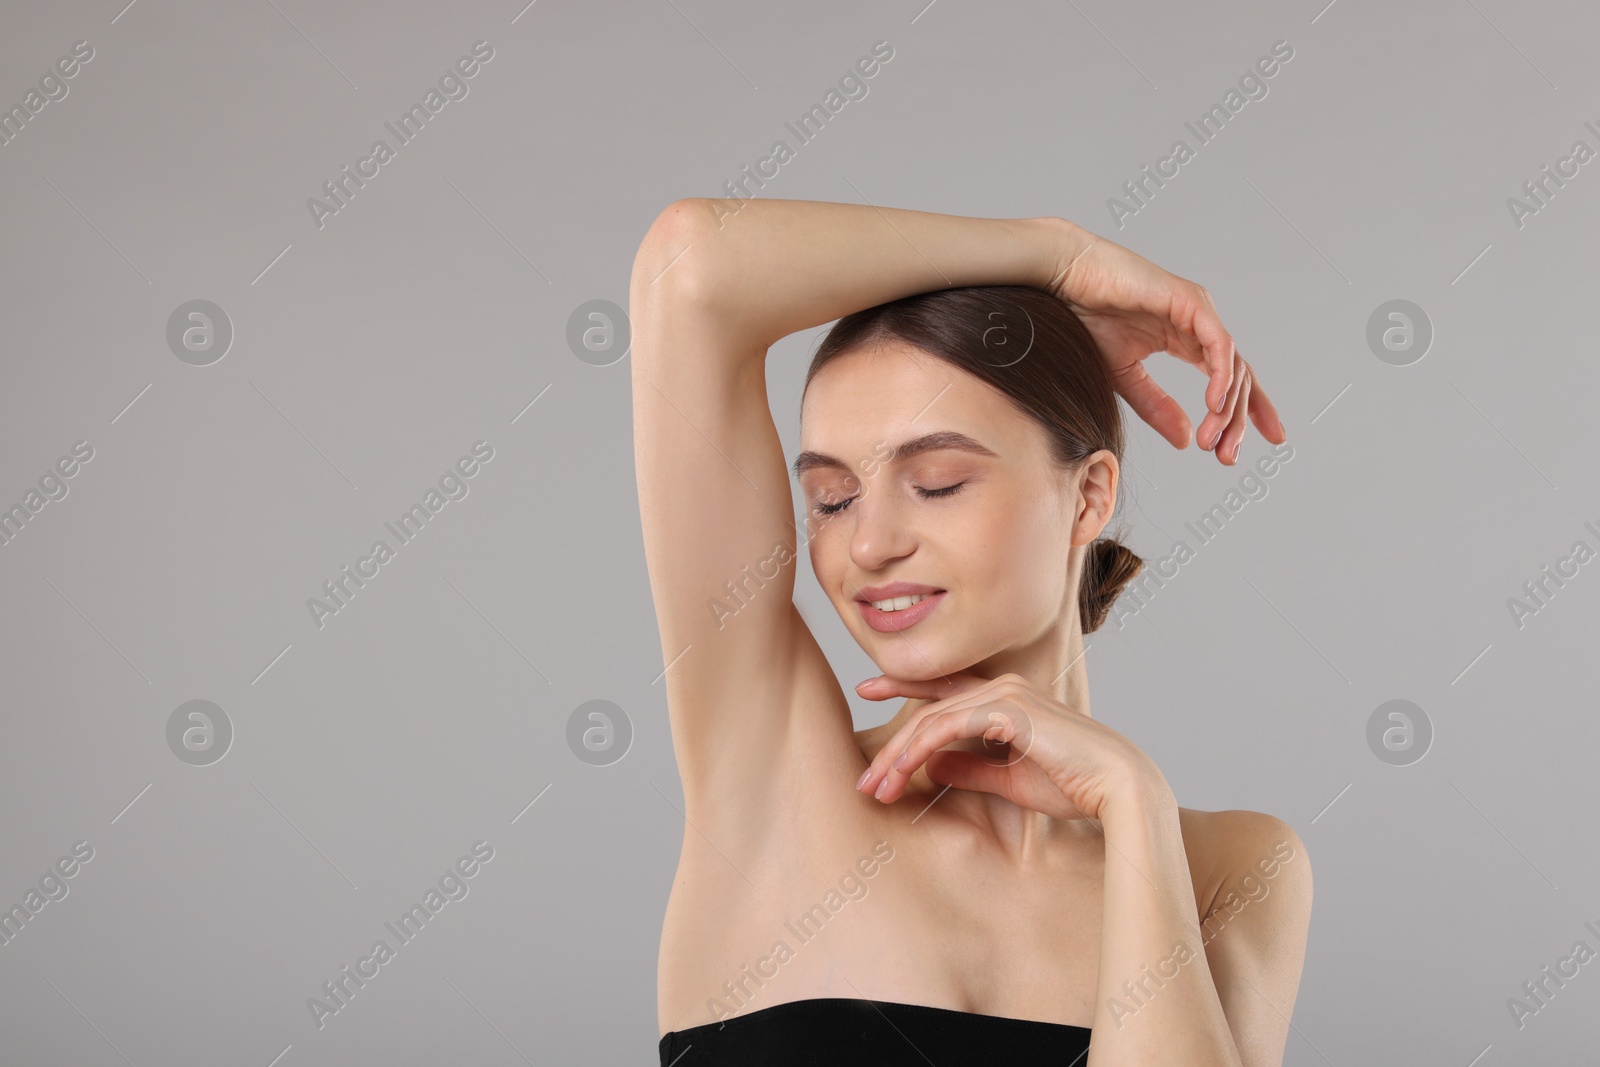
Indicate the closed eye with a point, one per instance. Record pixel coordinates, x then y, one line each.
834 509
946 491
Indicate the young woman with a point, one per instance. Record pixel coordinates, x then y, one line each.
992 874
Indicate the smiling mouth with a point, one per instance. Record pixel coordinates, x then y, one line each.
899 613
899 603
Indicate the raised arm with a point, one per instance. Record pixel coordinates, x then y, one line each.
837 258
781 266
706 301
711 291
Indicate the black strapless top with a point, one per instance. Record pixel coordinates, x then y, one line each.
844 1031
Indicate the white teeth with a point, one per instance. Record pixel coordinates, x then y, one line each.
900 602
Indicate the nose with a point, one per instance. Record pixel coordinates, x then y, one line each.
881 533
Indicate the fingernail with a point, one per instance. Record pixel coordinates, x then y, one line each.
878 793
1222 402
1236 448
1215 440
900 760
863 779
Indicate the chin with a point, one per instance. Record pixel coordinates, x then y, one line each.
898 659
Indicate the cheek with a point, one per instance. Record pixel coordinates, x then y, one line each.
825 560
1022 562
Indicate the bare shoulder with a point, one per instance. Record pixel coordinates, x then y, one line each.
1227 847
1252 880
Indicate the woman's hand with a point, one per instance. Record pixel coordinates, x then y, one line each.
1134 308
1046 756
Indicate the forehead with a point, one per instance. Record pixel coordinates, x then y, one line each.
893 391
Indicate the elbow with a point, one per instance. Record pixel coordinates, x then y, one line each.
675 255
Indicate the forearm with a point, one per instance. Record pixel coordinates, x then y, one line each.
780 266
1156 1000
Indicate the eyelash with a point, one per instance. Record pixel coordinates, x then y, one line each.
834 509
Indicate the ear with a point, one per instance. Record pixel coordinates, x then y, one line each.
1097 496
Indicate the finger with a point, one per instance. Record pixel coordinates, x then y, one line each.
1264 415
884 686
1000 722
968 770
1216 342
987 694
1233 437
1153 404
1209 436
878 767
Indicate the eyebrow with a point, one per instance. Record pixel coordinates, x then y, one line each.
928 442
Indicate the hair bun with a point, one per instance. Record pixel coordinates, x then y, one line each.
1109 567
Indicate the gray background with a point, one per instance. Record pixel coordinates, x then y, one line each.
426 315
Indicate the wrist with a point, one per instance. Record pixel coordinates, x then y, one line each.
1065 242
1137 793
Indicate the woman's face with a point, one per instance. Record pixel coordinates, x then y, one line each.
933 478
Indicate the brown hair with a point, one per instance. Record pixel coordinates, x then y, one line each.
1034 349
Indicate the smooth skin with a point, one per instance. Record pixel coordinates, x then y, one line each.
1039 866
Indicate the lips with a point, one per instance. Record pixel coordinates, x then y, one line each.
894 589
893 621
